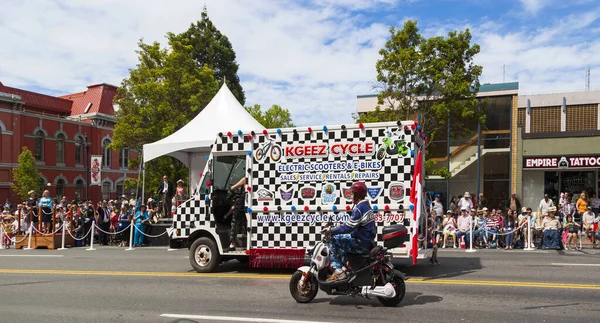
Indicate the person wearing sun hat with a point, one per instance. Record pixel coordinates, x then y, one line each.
465 202
7 230
32 208
141 219
588 219
550 227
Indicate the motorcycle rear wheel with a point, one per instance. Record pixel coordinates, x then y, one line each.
310 291
381 153
400 287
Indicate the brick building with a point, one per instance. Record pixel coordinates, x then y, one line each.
56 129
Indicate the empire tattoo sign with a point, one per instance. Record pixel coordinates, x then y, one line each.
561 162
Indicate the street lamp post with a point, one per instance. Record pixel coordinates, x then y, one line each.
87 166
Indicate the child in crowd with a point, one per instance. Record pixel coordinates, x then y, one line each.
7 230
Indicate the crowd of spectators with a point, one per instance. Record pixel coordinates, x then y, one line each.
112 218
549 226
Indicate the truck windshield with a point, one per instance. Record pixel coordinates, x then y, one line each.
228 170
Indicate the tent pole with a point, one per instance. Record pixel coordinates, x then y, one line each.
143 181
190 175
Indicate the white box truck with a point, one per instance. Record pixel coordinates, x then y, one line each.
296 180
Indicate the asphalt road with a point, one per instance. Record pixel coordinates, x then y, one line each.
156 285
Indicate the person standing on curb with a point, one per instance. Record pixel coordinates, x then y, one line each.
141 219
166 191
103 222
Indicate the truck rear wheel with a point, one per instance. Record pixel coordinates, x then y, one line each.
204 255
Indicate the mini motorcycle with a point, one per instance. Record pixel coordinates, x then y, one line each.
371 275
392 146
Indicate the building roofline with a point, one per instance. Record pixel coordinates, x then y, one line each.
103 84
483 88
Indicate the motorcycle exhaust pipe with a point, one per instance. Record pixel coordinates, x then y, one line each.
387 291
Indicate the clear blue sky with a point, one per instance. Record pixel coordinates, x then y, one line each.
312 57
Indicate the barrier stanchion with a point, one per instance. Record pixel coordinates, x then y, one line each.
62 245
29 241
529 242
471 238
92 237
131 236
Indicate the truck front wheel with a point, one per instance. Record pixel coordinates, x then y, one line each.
204 255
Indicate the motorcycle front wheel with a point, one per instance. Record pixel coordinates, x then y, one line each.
306 294
400 287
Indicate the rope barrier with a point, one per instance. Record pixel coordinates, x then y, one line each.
33 213
112 233
19 241
147 235
47 234
85 236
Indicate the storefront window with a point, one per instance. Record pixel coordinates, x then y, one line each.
498 111
551 180
555 182
575 182
495 176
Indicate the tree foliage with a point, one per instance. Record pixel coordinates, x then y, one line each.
168 88
26 176
213 49
433 79
274 117
161 95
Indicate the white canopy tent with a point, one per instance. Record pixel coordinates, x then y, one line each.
191 144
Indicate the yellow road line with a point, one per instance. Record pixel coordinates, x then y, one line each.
413 280
141 273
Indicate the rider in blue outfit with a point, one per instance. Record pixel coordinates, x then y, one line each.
355 236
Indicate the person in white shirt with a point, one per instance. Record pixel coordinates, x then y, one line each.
437 207
465 202
588 219
545 203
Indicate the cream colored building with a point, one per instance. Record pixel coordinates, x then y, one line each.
519 151
479 162
558 144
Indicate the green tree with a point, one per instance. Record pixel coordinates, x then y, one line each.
210 47
433 79
274 117
162 94
26 176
